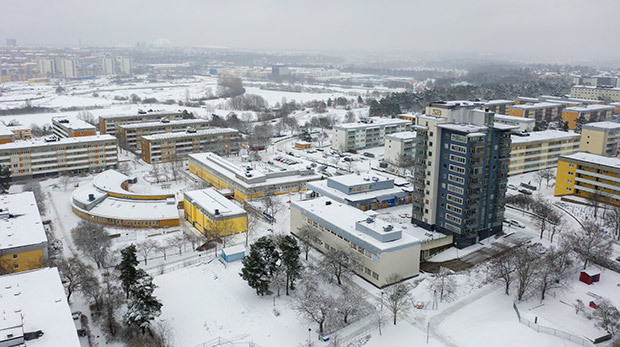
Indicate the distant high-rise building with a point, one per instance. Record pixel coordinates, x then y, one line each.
108 66
461 172
11 42
69 68
126 66
46 66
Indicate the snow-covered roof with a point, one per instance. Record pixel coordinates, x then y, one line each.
594 87
322 188
170 123
250 178
454 103
204 132
237 249
602 126
404 135
210 200
355 179
37 299
499 102
590 108
513 119
140 115
65 141
373 122
112 181
72 123
611 162
346 218
18 127
5 131
537 105
465 128
545 136
20 221
127 209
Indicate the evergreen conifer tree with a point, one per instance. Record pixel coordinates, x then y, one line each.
5 178
128 268
290 260
142 306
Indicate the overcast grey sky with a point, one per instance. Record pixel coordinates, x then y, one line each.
553 29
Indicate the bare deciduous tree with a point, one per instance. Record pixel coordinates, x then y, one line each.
612 220
503 267
397 298
553 268
314 304
93 241
591 245
607 316
526 267
443 282
73 274
307 235
145 248
338 262
177 241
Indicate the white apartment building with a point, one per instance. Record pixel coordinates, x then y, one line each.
108 123
540 150
400 148
108 66
524 124
596 93
126 66
57 155
68 68
46 66
366 133
176 146
382 248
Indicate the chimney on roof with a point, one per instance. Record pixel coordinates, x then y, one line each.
217 212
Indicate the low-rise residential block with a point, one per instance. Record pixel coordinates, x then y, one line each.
129 135
602 138
366 133
169 147
67 127
400 148
108 123
540 150
589 113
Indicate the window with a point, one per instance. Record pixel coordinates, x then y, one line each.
16 266
457 169
455 199
453 219
455 189
456 179
458 138
454 209
15 256
375 275
457 148
458 158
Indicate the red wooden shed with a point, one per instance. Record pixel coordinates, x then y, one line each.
589 276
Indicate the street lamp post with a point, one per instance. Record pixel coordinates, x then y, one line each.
381 313
309 330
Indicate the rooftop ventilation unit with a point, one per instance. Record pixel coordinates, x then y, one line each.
388 227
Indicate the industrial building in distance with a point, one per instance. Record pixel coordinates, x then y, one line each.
162 148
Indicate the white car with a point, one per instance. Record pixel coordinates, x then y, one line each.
514 223
512 186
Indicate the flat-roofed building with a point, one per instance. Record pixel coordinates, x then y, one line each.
32 302
68 127
588 175
602 138
540 150
247 182
129 135
399 148
364 191
450 109
366 133
606 94
616 106
55 155
108 123
498 106
6 135
383 248
112 198
23 243
589 113
548 111
212 213
524 124
176 146
20 132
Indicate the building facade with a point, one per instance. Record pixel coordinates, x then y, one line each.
247 182
589 113
606 94
35 158
168 147
366 133
23 243
523 124
212 213
126 66
547 111
382 249
540 150
20 132
129 135
66 127
589 176
461 172
108 123
602 138
399 148
498 106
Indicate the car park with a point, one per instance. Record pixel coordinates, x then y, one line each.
525 191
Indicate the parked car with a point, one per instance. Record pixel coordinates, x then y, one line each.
618 259
512 186
525 191
514 223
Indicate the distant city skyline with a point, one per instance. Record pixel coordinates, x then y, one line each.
553 30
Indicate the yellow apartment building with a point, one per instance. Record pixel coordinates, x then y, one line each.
600 138
592 113
540 150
